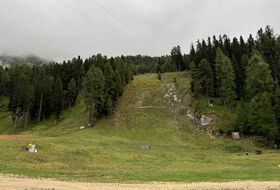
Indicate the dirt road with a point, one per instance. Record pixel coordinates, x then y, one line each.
11 182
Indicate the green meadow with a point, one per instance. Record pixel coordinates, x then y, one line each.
110 150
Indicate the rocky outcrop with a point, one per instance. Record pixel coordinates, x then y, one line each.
206 120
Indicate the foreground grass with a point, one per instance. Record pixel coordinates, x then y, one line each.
110 152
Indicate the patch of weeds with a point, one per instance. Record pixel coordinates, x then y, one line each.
233 149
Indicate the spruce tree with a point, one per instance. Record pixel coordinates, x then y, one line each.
71 93
225 77
28 101
261 117
16 100
242 120
93 92
177 58
205 76
266 45
109 85
259 79
57 98
118 84
2 81
250 44
109 106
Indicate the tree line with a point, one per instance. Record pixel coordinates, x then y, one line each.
175 61
245 76
39 92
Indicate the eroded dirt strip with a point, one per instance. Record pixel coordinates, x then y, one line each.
11 182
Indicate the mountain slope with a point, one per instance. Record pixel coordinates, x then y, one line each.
8 61
110 151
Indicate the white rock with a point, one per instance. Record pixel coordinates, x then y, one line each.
204 120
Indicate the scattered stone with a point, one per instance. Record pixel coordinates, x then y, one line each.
145 147
235 135
249 142
190 115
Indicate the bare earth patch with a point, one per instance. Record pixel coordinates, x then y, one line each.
141 98
11 182
15 137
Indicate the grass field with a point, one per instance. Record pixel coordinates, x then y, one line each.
110 151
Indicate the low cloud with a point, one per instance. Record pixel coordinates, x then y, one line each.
66 28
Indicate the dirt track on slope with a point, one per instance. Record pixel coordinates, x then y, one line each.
12 182
9 137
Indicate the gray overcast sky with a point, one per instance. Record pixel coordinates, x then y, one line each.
62 29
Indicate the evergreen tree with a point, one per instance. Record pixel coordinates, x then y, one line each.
71 93
118 84
176 57
93 92
277 62
259 79
276 106
225 77
57 98
266 45
159 76
242 120
16 102
43 102
238 77
205 76
261 117
109 106
109 86
28 101
2 81
242 76
20 98
251 44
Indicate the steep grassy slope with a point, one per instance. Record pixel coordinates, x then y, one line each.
110 151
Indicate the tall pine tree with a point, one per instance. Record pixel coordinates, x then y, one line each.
93 93
57 98
225 77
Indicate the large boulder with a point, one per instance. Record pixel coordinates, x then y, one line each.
206 120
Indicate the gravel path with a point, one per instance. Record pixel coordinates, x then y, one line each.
16 183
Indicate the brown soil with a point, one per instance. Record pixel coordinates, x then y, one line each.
15 137
12 182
